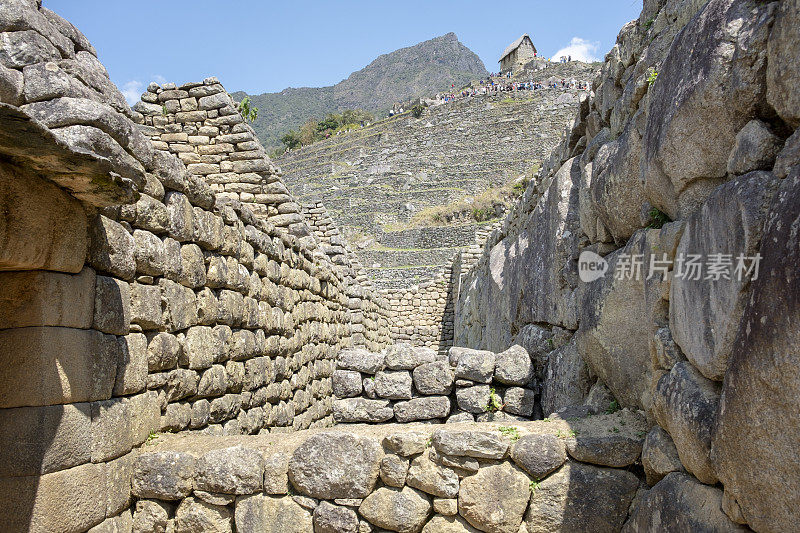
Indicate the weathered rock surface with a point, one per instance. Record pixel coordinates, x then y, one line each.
478 444
659 456
494 499
581 497
760 393
705 313
272 514
362 410
429 477
686 405
335 465
539 455
680 503
404 511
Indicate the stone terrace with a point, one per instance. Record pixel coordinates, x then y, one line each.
374 179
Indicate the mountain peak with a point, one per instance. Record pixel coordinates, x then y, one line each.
419 70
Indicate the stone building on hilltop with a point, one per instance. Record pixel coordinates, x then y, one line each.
518 54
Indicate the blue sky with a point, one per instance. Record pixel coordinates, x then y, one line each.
266 46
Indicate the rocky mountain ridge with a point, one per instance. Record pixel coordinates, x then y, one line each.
407 73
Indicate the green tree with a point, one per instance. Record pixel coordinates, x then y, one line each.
248 112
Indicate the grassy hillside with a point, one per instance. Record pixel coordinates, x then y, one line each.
418 70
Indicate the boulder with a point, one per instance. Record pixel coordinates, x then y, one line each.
335 465
434 479
619 316
393 384
616 191
329 518
538 455
272 514
350 410
519 401
581 497
494 499
407 443
758 423
394 470
616 449
346 383
406 357
513 366
538 342
403 510
360 360
680 503
783 74
424 408
659 456
235 470
163 475
711 84
567 380
195 515
448 524
473 399
476 365
434 378
478 444
685 404
755 149
705 313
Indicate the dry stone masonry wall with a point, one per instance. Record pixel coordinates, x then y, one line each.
687 148
405 383
409 478
141 301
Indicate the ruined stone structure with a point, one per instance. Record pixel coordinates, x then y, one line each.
158 276
517 54
373 180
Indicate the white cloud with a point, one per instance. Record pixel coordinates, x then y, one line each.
580 50
158 78
132 91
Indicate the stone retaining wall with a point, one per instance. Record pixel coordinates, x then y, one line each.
140 299
686 151
405 383
412 478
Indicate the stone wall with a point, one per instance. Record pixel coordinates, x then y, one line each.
406 383
138 298
687 147
407 478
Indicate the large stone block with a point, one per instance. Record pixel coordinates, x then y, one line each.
195 515
680 503
166 475
111 429
514 366
711 84
432 478
434 378
52 365
40 440
424 408
272 514
111 248
71 500
236 470
112 306
757 436
494 500
705 313
393 384
686 404
539 455
178 303
403 510
39 298
335 465
601 499
567 379
782 71
42 226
